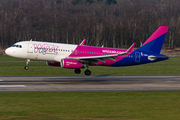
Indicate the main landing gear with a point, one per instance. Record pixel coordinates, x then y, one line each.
86 72
77 71
27 63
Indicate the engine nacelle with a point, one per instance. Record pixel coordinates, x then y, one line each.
52 63
71 64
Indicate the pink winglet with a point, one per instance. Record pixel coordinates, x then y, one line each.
82 43
131 48
160 31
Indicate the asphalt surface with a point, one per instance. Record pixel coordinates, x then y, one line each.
89 83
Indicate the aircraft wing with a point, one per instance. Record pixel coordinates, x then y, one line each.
95 59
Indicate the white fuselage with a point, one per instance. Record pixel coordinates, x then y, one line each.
45 51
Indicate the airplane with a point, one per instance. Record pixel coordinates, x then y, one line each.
82 56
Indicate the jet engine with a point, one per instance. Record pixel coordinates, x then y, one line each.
52 63
71 64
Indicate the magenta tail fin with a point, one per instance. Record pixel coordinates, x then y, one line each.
155 42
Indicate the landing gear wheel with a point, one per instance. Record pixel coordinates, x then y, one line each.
77 71
26 67
27 63
87 72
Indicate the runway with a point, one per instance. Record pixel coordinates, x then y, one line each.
81 83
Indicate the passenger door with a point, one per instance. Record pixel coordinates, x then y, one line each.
30 48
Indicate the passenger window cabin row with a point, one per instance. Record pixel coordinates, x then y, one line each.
85 52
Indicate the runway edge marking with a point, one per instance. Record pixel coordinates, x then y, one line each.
12 86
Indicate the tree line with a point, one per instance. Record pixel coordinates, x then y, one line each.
111 23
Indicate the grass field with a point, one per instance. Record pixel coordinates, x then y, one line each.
90 106
149 105
13 66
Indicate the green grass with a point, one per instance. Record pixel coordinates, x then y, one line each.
90 106
13 66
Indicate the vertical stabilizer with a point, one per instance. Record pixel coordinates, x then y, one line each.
155 42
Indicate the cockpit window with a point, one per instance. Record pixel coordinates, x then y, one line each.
18 46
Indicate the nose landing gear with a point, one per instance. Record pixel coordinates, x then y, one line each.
27 63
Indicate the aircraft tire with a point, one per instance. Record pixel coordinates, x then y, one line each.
77 71
26 67
87 72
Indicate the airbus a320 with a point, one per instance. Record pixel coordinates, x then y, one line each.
82 56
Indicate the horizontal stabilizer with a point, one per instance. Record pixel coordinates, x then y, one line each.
152 57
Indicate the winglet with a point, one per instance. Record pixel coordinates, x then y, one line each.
129 50
82 43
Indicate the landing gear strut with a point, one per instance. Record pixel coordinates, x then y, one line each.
87 72
27 63
77 71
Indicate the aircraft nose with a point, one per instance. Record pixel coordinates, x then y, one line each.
8 51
